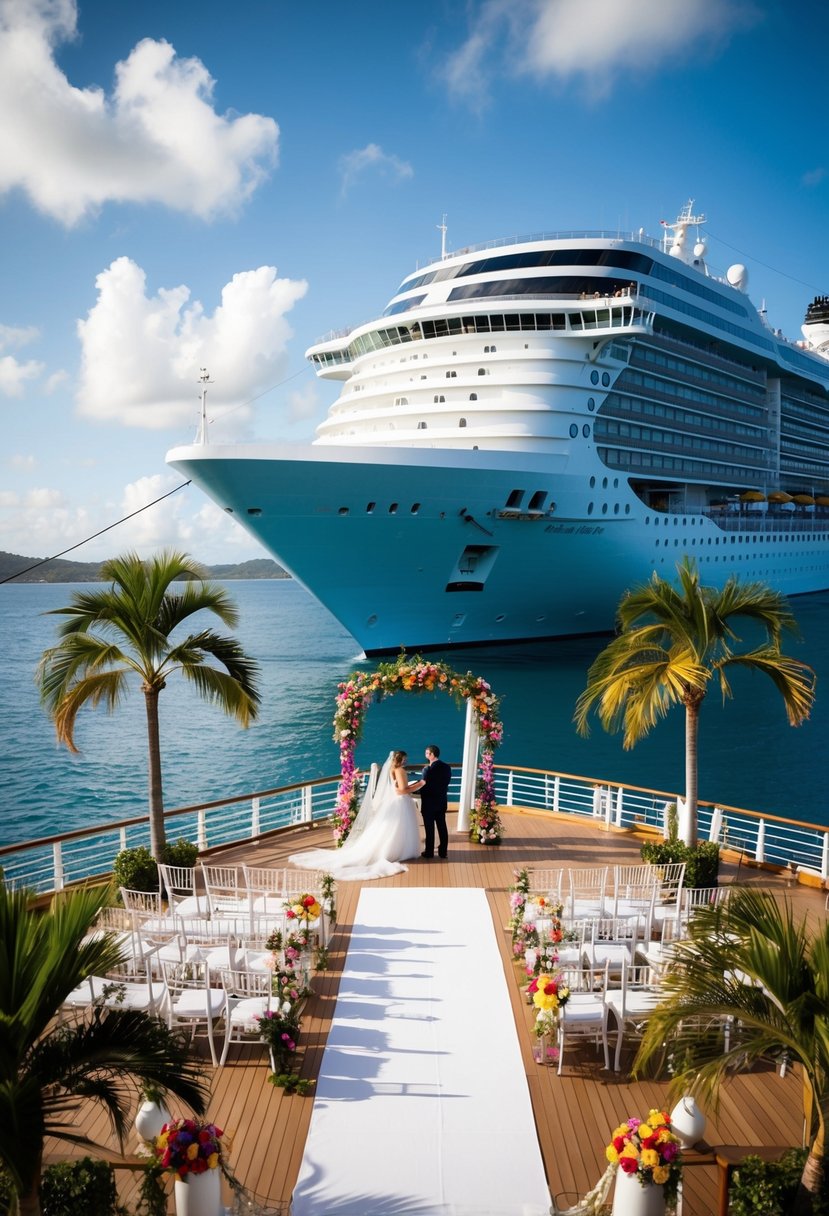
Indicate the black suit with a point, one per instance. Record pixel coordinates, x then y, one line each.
436 778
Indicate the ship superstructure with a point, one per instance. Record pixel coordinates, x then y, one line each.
537 425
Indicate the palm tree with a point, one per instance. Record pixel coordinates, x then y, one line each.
48 1068
125 630
671 642
748 966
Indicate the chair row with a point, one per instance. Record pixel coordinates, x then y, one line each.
190 996
620 890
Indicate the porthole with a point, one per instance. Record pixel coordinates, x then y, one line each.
615 483
615 508
604 483
256 511
473 396
604 508
592 482
590 508
370 507
627 508
393 509
591 403
594 377
605 379
502 616
585 430
574 430
415 508
343 511
461 422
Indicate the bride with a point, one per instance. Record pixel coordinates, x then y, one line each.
385 831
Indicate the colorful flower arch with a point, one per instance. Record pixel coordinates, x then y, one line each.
417 675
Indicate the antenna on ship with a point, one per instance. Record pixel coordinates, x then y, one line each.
204 379
441 227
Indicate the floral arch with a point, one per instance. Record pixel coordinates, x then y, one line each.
417 675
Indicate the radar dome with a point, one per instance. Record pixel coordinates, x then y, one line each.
737 276
700 249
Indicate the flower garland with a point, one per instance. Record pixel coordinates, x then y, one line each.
649 1149
416 674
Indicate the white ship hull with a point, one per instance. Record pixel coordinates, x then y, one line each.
391 578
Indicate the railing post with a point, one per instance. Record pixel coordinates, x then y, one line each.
824 857
122 836
619 806
201 833
608 807
509 788
307 804
57 857
760 848
254 817
556 792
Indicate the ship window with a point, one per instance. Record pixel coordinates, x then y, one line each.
393 509
574 430
370 507
461 422
473 396
343 511
438 398
592 482
481 371
627 508
615 508
585 430
254 510
594 377
451 375
604 483
229 510
401 401
515 498
502 616
591 403
590 508
604 508
537 501
415 508
605 379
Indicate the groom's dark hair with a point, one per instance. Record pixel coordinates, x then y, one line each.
434 749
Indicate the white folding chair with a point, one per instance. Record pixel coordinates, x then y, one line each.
584 1014
247 998
190 1001
586 889
695 898
631 1004
612 941
227 894
183 895
546 882
668 904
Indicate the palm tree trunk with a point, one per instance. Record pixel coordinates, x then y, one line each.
158 839
689 823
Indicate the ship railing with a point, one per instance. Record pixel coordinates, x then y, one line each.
53 863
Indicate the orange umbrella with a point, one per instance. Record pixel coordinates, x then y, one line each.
804 500
779 496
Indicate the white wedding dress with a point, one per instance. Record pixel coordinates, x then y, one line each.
385 832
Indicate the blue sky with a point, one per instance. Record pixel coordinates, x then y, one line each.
210 185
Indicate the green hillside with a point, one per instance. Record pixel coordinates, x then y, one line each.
18 569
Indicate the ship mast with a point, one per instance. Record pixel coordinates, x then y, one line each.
204 379
441 227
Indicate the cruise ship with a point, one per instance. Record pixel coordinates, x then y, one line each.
533 426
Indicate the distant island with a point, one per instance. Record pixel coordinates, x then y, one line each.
18 569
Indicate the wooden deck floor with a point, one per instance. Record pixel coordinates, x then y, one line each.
574 1113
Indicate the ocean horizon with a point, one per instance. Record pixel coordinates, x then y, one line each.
749 757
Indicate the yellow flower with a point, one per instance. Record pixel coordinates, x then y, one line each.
650 1158
192 1151
661 1174
611 1154
630 1150
212 1161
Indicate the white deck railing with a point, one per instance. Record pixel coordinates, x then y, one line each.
54 862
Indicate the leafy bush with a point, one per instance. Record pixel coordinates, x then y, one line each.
182 853
6 1193
770 1186
78 1188
702 861
136 869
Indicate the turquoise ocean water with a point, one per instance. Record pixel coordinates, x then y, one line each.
749 756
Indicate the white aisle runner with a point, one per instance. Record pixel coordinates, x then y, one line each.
422 1106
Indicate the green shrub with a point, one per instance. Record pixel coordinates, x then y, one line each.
182 853
702 861
6 1193
79 1188
770 1187
136 869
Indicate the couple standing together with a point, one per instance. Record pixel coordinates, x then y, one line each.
386 830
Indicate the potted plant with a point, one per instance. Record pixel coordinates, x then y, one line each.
192 1151
152 1113
648 1157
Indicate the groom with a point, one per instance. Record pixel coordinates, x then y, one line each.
433 787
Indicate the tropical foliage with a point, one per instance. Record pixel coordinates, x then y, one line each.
416 675
123 631
47 1068
672 642
751 984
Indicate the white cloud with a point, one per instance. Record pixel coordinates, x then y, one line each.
592 39
17 335
14 374
373 159
55 380
141 354
157 138
304 403
42 497
23 462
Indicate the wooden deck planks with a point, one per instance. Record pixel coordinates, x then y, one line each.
574 1113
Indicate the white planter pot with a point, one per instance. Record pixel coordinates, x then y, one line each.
199 1194
150 1119
687 1122
633 1199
